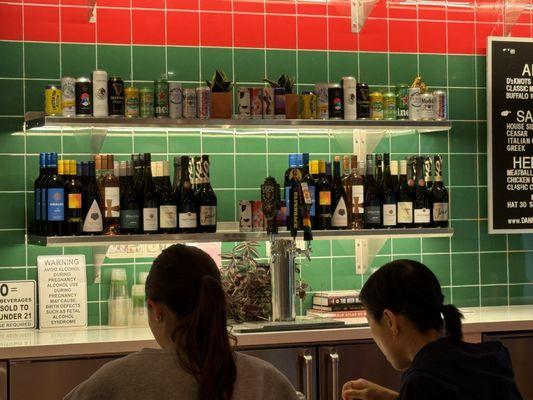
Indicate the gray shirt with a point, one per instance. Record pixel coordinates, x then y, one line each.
157 374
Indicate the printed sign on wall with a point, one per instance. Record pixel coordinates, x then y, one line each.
17 304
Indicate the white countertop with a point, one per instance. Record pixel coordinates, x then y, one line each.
104 340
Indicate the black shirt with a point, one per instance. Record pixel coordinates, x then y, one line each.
450 369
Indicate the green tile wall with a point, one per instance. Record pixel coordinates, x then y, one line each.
474 268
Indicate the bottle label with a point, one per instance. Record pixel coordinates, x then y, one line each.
208 215
440 211
44 206
56 204
405 212
358 199
373 215
187 220
324 198
129 219
312 192
340 215
389 214
38 204
150 219
422 215
93 219
112 202
74 200
168 217
287 194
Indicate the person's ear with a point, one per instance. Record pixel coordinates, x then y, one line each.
390 320
156 308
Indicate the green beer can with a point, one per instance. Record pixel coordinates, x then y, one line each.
389 106
402 101
161 98
146 102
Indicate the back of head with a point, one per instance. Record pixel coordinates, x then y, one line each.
410 288
187 280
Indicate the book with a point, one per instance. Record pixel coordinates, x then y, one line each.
330 299
338 307
353 314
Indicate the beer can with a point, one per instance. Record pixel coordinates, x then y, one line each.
321 90
84 101
402 101
115 88
279 103
256 102
189 103
268 103
335 97
52 100
146 102
389 106
203 102
131 94
440 105
415 103
349 86
362 96
175 105
245 216
68 96
427 112
258 218
243 103
161 98
100 93
308 105
376 105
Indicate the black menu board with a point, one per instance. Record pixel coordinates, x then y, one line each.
510 134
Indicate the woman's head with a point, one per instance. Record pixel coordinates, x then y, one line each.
404 303
187 311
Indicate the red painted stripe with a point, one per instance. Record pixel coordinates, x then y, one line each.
432 37
183 28
402 36
113 26
11 26
75 25
182 4
249 30
148 26
312 33
216 29
373 36
340 35
280 38
41 23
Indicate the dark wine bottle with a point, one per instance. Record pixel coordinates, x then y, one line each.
150 217
111 199
207 200
187 207
55 199
422 206
339 218
168 214
439 196
388 195
37 189
84 174
378 165
404 198
428 164
354 186
177 179
287 185
308 179
394 174
346 171
372 196
92 214
73 195
324 198
130 216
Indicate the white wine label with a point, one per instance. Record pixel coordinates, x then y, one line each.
358 198
208 215
93 220
187 220
405 212
422 216
440 211
150 219
389 214
168 217
340 215
112 202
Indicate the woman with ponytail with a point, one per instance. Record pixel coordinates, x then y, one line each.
422 336
187 315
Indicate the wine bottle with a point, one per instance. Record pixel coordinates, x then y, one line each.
73 196
187 207
313 181
287 187
404 197
177 178
339 218
388 195
329 172
428 164
123 171
346 171
354 186
37 188
84 174
311 187
111 198
379 171
168 215
372 197
149 199
129 202
92 214
314 169
207 200
394 174
55 199
439 196
324 198
422 210
44 192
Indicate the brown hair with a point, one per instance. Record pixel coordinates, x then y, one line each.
187 280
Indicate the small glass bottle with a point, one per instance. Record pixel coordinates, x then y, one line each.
119 301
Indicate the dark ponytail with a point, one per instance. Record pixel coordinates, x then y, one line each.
187 280
410 288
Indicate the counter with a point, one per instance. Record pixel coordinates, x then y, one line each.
104 340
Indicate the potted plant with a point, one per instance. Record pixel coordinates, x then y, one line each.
291 99
221 101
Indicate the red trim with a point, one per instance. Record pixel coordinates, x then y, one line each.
114 3
75 26
182 4
340 35
107 27
432 37
280 38
182 28
461 38
373 36
157 4
11 26
281 6
248 6
41 23
402 36
148 26
216 5
339 8
216 29
312 33
249 30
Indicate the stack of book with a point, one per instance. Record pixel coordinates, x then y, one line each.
343 304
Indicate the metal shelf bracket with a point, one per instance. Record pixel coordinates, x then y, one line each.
365 252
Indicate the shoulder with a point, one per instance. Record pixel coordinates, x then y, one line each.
422 385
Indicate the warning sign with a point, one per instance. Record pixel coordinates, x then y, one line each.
17 304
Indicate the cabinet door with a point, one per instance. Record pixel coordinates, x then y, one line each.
362 359
297 364
51 379
3 380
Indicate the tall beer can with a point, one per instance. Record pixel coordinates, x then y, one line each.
279 103
52 100
402 101
146 102
389 106
335 100
175 105
84 101
256 102
161 98
308 105
68 96
131 94
427 112
268 103
115 89
243 103
415 104
376 105
203 102
440 106
362 97
189 103
321 90
349 85
100 106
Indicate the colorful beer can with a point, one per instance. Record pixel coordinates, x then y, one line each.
402 101
258 218
68 96
52 100
243 103
376 105
100 94
389 106
440 105
308 105
362 95
189 103
268 103
427 112
245 216
279 103
335 99
349 87
256 102
175 105
161 98
203 102
131 94
115 88
321 90
415 104
84 101
146 102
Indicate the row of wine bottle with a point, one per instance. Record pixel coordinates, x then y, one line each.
104 196
359 196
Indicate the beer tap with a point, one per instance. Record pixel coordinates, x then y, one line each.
270 202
